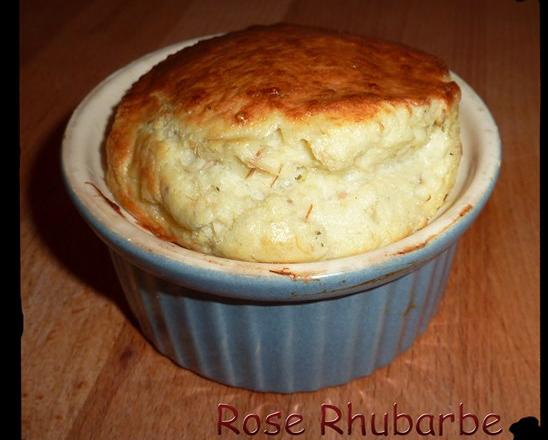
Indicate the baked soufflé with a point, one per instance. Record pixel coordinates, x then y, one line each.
286 143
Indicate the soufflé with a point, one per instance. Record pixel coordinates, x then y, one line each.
286 143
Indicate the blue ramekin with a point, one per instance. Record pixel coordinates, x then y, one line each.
276 327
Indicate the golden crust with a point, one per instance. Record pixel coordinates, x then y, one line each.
297 70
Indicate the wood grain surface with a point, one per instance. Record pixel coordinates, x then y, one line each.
88 373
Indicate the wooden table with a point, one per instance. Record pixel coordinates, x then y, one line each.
87 372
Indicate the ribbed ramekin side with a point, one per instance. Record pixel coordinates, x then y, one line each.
285 347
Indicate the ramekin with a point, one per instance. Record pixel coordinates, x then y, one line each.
276 327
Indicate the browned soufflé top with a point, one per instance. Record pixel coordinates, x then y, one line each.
296 70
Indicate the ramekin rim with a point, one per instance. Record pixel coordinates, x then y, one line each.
417 246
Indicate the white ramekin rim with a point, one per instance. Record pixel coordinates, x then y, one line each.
82 168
